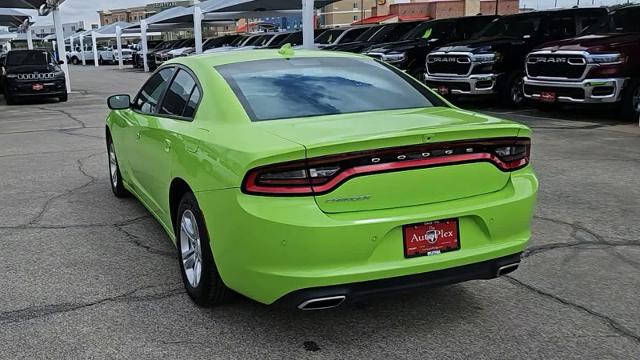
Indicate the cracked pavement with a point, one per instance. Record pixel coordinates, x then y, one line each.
86 275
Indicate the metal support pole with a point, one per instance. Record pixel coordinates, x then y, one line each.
62 52
29 38
71 41
197 28
497 6
82 50
307 25
145 49
119 44
94 42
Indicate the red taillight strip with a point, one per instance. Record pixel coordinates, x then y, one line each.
416 164
252 187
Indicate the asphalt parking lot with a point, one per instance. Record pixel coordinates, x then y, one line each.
86 275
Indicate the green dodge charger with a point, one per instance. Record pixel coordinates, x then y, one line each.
314 178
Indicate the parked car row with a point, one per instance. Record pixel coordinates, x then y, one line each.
31 73
577 55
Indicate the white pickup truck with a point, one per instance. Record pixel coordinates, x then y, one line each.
105 55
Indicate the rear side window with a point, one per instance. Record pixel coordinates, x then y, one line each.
148 98
304 87
178 96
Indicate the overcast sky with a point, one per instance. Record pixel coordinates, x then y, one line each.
76 10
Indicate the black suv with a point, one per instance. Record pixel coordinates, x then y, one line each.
410 51
32 73
492 62
376 35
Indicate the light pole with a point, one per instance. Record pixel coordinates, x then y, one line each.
361 12
497 4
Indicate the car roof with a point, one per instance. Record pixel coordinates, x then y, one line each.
231 57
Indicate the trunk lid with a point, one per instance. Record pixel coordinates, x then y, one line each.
348 133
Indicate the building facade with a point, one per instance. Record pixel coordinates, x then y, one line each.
345 12
68 29
135 14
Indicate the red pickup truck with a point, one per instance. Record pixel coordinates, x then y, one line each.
601 66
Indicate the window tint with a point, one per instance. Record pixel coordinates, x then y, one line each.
192 105
178 95
329 36
512 25
561 27
147 99
302 87
352 35
588 20
28 57
626 21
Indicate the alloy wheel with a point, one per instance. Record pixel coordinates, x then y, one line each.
516 91
113 165
190 248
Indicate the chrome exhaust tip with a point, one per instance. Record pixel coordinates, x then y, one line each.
504 270
322 303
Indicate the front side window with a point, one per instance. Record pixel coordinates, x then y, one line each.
178 94
329 36
304 87
147 99
352 35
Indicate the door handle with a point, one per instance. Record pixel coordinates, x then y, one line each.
167 145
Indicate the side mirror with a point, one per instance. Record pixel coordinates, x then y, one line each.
61 62
119 102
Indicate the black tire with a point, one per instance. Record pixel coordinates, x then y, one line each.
64 98
630 105
75 60
100 61
209 290
115 177
512 92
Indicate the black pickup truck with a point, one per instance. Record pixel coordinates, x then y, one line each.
492 62
32 73
602 66
376 35
410 51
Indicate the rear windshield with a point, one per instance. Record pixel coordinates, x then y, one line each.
16 58
304 87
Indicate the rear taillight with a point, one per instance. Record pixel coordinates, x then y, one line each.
321 175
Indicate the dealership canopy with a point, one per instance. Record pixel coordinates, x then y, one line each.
253 6
10 17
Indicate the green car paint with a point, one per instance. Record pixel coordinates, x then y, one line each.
266 247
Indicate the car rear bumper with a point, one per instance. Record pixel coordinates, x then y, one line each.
332 296
269 247
588 91
482 84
